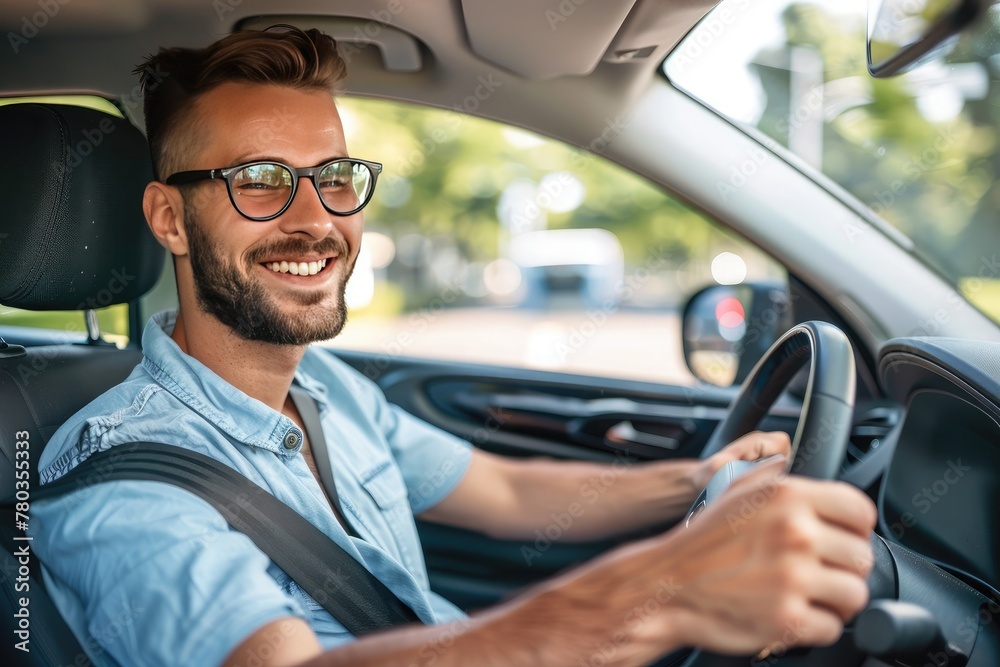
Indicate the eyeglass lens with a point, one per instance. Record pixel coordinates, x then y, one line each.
262 190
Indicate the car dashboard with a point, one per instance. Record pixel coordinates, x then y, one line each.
939 497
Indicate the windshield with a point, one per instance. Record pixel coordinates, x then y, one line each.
919 150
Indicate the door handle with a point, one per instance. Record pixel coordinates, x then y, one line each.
624 433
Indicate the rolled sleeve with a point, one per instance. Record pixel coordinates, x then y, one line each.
161 577
432 461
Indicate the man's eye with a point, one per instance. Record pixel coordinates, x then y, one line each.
335 183
257 185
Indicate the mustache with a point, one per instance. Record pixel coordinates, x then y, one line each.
326 246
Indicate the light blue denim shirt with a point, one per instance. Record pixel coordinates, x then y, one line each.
148 574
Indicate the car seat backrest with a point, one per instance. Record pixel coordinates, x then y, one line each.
72 237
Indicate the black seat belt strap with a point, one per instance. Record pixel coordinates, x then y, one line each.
309 413
337 581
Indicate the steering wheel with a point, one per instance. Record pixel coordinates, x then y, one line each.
820 440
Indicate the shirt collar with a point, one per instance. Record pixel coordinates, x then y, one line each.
241 417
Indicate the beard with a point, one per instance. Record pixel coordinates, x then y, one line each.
242 303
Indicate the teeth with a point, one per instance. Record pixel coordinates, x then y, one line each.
298 268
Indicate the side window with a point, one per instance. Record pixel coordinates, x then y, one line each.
66 326
486 243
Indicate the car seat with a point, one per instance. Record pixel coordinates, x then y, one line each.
72 237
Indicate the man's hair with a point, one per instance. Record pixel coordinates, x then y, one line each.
173 80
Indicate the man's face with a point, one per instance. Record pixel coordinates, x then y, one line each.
232 259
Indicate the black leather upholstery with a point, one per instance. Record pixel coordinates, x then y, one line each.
72 233
40 391
72 236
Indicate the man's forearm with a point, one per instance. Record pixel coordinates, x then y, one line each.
530 499
598 614
590 501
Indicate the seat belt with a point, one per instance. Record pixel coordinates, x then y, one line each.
321 567
309 413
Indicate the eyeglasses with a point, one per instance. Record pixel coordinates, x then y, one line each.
264 190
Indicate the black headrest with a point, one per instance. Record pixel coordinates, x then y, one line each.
72 232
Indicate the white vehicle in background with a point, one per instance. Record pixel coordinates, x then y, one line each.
582 268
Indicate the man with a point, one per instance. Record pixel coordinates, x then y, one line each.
261 209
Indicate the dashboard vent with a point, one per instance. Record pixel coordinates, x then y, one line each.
868 433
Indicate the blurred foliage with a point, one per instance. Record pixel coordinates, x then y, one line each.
89 101
113 321
445 174
920 149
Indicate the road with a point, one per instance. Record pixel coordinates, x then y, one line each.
631 344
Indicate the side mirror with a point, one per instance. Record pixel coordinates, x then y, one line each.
725 329
902 32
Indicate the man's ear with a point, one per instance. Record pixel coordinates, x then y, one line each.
163 206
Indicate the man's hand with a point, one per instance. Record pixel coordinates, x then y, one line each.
752 446
777 561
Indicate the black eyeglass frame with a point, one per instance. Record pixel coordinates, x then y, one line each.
226 173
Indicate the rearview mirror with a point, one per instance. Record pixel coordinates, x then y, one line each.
901 33
727 328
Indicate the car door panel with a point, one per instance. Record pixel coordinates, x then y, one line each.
523 413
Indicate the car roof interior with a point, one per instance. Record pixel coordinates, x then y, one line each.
592 57
573 70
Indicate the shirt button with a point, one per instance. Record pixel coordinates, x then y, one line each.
291 440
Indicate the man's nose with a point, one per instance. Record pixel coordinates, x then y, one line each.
306 213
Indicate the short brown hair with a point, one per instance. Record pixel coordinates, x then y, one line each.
173 79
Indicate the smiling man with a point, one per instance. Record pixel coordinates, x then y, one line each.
260 204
